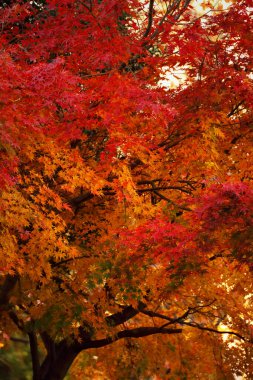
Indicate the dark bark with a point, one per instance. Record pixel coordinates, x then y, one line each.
56 368
150 18
121 317
60 356
138 332
34 354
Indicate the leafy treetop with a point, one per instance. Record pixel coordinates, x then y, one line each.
126 201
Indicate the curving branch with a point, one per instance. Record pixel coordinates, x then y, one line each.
181 320
205 328
138 332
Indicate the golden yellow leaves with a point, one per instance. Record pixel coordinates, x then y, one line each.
134 203
8 248
67 165
32 230
123 184
14 209
14 217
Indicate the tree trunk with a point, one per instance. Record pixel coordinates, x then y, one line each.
57 368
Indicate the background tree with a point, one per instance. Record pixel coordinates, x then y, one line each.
126 205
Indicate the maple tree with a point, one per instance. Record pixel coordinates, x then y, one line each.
126 200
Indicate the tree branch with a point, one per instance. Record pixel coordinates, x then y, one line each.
181 320
138 332
123 316
19 323
62 262
75 202
150 18
170 201
154 314
18 340
200 327
164 188
235 108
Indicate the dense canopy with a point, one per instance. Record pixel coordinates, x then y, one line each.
126 168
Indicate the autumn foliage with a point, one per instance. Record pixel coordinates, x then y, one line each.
126 187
